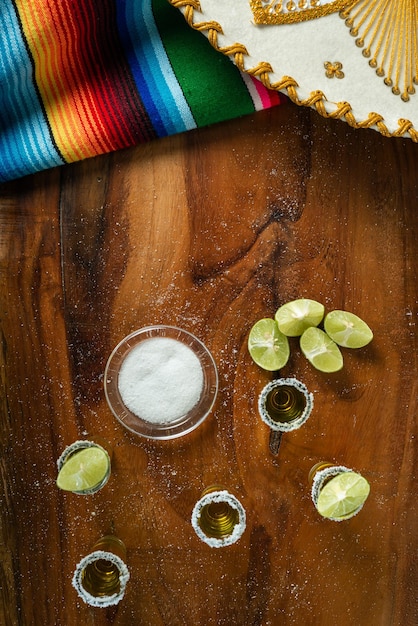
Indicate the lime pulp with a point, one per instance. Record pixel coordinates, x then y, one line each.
84 470
294 317
321 350
268 347
342 496
347 330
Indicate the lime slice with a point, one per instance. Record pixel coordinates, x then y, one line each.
343 496
84 469
321 350
268 347
347 329
294 317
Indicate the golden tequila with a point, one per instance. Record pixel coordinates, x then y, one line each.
218 518
285 404
100 578
317 468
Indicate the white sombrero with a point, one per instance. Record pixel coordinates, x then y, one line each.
354 60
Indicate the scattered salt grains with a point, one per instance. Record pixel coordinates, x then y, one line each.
161 380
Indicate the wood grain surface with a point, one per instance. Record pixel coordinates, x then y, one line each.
210 231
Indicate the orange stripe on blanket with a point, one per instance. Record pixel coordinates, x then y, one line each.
70 110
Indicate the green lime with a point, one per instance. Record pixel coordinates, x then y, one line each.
84 470
268 347
321 350
294 317
343 495
347 329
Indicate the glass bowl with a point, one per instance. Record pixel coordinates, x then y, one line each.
161 389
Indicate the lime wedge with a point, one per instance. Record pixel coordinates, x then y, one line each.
84 469
268 347
294 317
321 350
343 495
347 329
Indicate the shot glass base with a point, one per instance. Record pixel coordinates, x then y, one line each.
100 601
75 447
321 477
219 497
299 388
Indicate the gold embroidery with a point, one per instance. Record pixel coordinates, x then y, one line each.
293 11
333 69
263 70
387 32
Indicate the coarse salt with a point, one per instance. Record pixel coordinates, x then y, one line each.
160 380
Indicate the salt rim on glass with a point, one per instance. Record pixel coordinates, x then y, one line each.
294 424
100 601
161 382
219 496
82 444
320 477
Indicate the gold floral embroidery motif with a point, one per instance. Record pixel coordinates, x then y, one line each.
333 69
387 32
293 11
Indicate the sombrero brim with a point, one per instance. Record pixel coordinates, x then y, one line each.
315 62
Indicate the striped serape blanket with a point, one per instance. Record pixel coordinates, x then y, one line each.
80 78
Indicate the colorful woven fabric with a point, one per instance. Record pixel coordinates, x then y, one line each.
80 78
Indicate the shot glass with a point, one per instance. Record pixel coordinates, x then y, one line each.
102 477
218 518
284 404
336 498
101 576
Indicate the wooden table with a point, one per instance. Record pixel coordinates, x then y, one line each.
210 231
